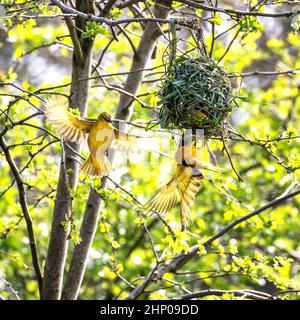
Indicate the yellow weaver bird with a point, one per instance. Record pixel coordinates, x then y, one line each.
100 134
184 184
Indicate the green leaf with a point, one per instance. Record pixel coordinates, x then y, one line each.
75 236
93 28
217 19
250 24
291 132
115 13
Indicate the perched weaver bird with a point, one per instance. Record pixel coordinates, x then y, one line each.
184 184
100 134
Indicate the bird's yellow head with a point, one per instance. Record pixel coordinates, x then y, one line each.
105 116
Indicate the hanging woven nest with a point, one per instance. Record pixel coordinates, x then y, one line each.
195 93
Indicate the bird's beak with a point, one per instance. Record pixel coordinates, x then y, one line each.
106 118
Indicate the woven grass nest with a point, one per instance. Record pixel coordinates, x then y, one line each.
195 93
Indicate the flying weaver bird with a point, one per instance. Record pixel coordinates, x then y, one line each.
184 184
100 134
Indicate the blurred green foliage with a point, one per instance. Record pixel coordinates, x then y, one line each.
262 253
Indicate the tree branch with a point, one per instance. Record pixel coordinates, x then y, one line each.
231 12
227 11
76 43
250 294
181 259
264 73
68 176
108 6
26 214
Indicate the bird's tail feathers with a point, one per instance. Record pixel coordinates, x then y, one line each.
96 167
188 197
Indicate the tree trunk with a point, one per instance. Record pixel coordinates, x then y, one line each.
81 69
124 111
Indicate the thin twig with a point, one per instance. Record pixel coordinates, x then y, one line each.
230 160
250 294
27 217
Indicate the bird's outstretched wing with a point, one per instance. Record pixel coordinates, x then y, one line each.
126 142
71 127
182 188
164 199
